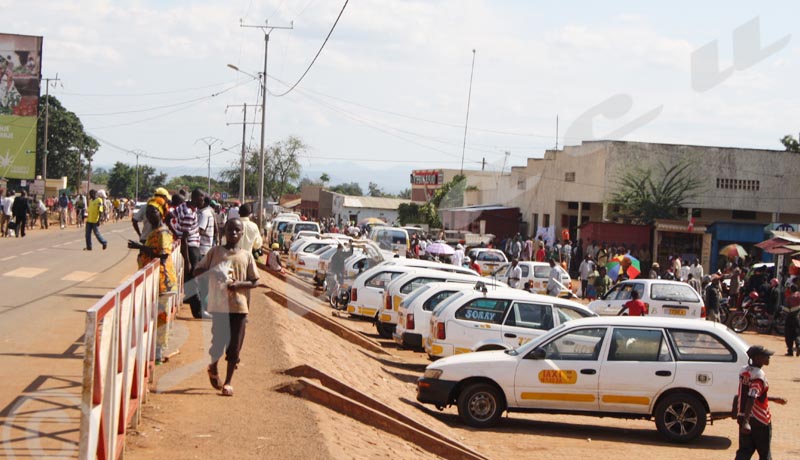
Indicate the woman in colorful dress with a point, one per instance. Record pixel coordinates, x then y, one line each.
159 246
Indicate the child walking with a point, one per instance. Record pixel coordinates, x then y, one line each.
232 272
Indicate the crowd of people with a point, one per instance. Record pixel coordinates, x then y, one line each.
22 212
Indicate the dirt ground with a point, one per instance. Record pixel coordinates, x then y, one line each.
260 423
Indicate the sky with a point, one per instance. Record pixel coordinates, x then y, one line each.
390 89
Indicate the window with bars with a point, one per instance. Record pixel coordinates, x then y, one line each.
748 185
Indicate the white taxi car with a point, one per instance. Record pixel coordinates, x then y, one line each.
304 250
497 319
400 288
414 313
538 273
366 293
679 373
662 298
488 259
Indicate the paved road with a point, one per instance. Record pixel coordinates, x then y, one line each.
47 282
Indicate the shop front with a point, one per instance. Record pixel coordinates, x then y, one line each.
744 234
687 240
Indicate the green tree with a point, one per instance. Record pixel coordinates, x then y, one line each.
192 182
375 190
149 180
121 180
348 188
99 176
324 179
409 213
66 139
647 194
790 143
281 170
450 194
405 193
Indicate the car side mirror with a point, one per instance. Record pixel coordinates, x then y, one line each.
537 353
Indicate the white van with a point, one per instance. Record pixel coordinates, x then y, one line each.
499 319
661 297
276 229
305 249
414 313
366 294
487 258
393 239
293 228
398 289
538 273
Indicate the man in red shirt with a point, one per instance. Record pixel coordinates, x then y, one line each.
540 253
753 416
635 306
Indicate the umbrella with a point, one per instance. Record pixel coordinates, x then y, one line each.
733 251
440 249
371 221
624 264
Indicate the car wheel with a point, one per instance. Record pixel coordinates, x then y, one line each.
384 330
680 417
490 348
480 405
739 322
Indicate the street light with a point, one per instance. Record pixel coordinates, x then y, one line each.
262 76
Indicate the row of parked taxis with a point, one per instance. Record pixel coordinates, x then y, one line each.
508 350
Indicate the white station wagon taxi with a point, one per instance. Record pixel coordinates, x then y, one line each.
679 373
487 259
538 273
366 293
495 319
662 298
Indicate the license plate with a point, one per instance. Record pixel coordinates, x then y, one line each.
676 311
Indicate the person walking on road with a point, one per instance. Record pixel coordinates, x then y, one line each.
554 280
5 213
635 306
187 229
20 209
158 245
80 210
753 415
43 214
95 210
514 273
232 272
602 282
585 269
712 299
63 207
792 310
251 240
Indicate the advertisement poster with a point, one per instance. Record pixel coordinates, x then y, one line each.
20 73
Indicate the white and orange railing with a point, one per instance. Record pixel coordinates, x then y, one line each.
119 359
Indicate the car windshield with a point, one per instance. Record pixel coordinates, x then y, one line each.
328 253
673 292
414 294
524 349
440 308
322 250
309 226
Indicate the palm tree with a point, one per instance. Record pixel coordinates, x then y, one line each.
647 194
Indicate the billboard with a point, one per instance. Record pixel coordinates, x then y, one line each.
20 73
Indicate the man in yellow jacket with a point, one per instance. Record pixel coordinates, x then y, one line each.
95 210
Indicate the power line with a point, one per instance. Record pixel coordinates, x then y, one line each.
315 56
166 106
155 93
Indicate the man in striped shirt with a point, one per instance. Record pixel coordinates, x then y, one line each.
755 420
187 229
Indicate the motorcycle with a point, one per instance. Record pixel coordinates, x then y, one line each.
754 314
338 293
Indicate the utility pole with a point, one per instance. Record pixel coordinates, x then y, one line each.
209 141
46 123
137 153
266 29
556 132
466 122
243 174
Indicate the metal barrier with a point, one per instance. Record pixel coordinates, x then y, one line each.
119 358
